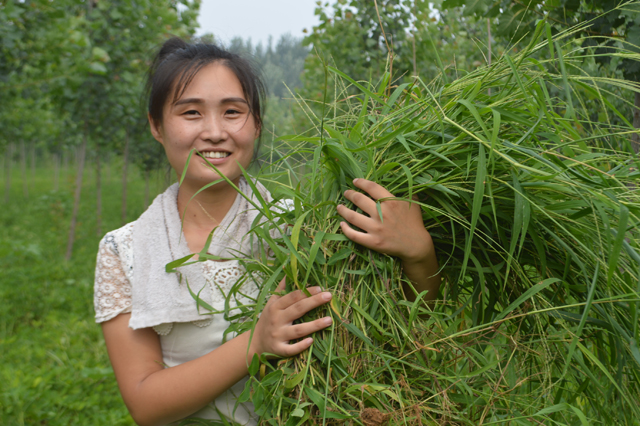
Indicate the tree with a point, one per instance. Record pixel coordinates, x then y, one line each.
89 59
608 27
358 37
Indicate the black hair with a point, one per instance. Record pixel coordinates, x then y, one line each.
177 62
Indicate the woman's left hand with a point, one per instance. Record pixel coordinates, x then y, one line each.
400 233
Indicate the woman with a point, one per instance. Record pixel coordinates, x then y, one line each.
204 98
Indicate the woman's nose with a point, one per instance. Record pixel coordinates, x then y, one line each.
214 129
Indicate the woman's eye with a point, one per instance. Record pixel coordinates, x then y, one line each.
233 112
191 112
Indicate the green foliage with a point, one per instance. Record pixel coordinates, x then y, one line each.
611 25
357 36
450 42
85 63
54 365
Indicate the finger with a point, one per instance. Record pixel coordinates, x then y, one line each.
299 331
301 307
295 296
362 238
362 201
295 348
376 191
356 219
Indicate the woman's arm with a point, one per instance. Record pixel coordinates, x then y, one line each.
401 233
156 395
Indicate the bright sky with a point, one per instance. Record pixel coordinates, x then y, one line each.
257 19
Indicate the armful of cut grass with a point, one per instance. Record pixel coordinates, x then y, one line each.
530 200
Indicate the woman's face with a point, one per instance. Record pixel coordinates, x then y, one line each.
212 116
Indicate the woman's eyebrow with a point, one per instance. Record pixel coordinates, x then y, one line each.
189 101
201 101
230 100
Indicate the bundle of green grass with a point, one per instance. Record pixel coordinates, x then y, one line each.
533 209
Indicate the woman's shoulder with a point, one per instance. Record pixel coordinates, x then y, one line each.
118 239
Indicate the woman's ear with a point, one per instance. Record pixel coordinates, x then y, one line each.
155 129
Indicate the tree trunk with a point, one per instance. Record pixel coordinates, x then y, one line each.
124 177
33 164
76 202
146 189
7 170
107 167
635 138
98 195
65 161
23 169
56 171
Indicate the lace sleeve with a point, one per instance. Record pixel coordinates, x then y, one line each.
112 289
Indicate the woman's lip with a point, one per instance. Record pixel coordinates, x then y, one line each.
216 160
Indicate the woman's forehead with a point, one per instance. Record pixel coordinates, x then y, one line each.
212 81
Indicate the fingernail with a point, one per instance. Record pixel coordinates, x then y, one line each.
328 320
338 206
355 180
326 295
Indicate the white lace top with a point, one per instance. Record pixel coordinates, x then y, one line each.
180 342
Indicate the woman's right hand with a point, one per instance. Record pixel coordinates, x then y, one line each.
275 328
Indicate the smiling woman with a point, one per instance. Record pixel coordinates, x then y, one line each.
205 99
171 362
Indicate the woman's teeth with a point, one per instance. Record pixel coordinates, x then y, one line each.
215 154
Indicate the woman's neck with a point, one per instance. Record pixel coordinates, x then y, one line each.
204 212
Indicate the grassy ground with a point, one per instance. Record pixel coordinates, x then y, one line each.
54 367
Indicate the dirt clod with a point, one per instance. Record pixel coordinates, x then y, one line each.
374 417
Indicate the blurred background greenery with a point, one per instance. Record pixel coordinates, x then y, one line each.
77 159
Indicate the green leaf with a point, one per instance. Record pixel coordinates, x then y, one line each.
317 242
298 412
254 367
478 196
98 54
295 236
98 68
583 320
619 239
171 266
527 295
320 402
